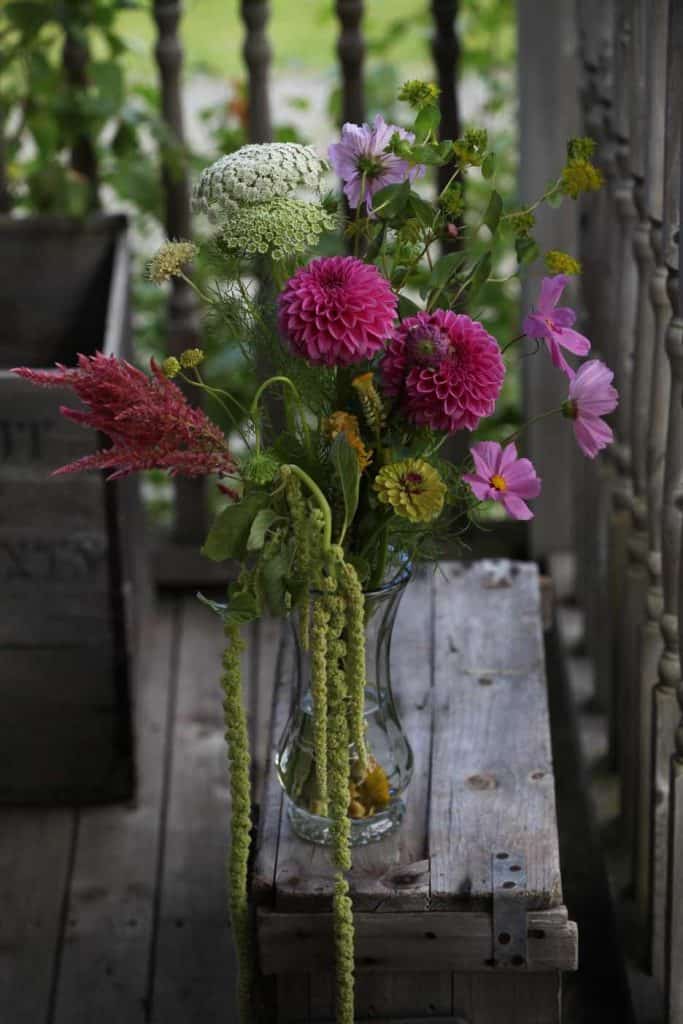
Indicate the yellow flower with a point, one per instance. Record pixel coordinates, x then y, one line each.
170 367
170 259
370 401
374 789
579 176
561 263
347 423
191 357
413 488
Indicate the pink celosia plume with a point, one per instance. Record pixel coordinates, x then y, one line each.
147 418
336 311
554 323
500 476
445 369
591 395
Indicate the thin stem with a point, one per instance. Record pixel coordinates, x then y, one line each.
534 419
218 394
195 288
512 342
253 411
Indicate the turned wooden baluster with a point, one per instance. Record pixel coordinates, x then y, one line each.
183 314
257 56
597 26
351 51
669 669
446 53
75 60
654 428
624 334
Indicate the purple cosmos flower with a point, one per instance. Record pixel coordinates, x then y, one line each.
554 324
361 161
591 396
500 476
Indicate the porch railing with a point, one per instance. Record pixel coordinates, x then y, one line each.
629 513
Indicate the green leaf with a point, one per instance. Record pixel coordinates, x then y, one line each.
390 201
217 607
421 209
263 520
427 121
243 606
488 165
28 17
345 461
493 212
426 154
229 534
480 275
527 249
406 307
274 573
444 269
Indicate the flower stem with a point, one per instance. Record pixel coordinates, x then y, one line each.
319 497
253 410
534 419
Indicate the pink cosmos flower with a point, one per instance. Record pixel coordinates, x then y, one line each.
500 476
445 369
147 418
336 311
591 396
361 153
554 324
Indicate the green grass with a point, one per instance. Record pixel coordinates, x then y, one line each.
302 34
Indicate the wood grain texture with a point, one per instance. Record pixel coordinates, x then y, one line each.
492 778
110 919
194 958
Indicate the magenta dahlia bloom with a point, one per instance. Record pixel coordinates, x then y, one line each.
591 396
554 324
445 369
362 153
500 476
336 311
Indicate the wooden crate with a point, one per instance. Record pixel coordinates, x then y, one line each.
68 566
432 907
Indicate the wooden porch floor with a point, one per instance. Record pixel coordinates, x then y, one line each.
119 914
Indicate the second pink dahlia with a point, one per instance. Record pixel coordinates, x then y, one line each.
336 311
446 370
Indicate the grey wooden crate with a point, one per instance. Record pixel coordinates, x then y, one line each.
69 566
470 684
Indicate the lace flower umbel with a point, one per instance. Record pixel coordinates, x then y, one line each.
146 417
279 226
445 369
256 174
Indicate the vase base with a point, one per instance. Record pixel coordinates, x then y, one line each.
316 829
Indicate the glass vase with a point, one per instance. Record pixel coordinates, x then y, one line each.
376 806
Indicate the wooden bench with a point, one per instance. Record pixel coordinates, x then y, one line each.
459 915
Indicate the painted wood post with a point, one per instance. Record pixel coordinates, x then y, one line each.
183 314
351 51
446 53
75 59
257 56
669 669
624 329
549 96
655 428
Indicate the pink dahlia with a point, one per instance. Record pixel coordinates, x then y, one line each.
337 311
362 160
446 370
591 396
500 476
148 420
554 323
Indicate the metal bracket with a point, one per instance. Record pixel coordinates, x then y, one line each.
509 937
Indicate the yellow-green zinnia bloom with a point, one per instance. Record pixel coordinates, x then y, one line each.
413 488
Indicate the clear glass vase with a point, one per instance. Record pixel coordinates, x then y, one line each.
376 806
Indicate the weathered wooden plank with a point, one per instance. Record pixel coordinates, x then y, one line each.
104 973
35 858
520 999
439 940
194 974
492 777
393 874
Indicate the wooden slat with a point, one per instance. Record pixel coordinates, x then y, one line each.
351 51
257 56
104 972
440 941
393 874
194 974
35 859
492 776
446 52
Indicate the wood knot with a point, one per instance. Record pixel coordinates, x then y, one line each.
481 781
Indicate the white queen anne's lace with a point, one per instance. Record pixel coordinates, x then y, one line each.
256 174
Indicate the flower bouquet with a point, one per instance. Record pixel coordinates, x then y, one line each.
333 479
